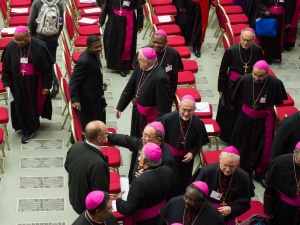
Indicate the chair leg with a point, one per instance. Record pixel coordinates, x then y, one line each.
6 135
2 148
63 112
212 15
64 123
217 32
1 165
218 43
147 27
213 25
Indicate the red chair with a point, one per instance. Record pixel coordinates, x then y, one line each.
66 96
225 41
18 3
4 118
161 10
119 216
288 102
4 42
82 5
186 78
114 157
282 112
2 89
114 183
175 40
14 20
271 72
2 148
160 2
169 29
110 130
20 11
256 207
180 92
183 51
85 11
190 65
76 130
215 132
204 110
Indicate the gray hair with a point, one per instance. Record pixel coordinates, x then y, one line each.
230 156
150 162
151 62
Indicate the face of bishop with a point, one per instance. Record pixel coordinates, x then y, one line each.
259 75
192 200
159 42
187 109
246 39
228 166
22 39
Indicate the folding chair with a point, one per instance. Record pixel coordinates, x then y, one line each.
2 148
180 92
12 20
66 96
214 133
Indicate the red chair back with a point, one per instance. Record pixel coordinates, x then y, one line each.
65 89
3 7
225 41
76 130
222 17
69 25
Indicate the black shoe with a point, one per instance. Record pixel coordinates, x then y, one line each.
287 49
197 53
123 74
260 178
54 91
26 137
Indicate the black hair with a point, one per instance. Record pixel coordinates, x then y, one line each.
91 39
101 206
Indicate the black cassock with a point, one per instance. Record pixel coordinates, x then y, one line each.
171 61
195 137
136 144
234 59
86 87
25 88
173 212
82 220
287 135
236 191
115 32
190 21
147 190
249 133
281 180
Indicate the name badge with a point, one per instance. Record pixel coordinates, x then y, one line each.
126 3
263 100
216 195
24 60
281 1
168 68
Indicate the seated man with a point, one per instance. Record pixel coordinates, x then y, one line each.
149 191
191 208
98 210
153 132
230 187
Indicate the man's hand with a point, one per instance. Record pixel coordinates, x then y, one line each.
224 210
45 91
133 101
139 173
118 114
76 105
220 95
99 24
120 194
139 30
267 13
6 89
287 25
188 157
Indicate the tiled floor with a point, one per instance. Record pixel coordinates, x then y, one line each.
34 190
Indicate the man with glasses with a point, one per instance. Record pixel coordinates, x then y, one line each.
230 188
237 61
27 72
185 136
253 133
153 132
191 208
87 166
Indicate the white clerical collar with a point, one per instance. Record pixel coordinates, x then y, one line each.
151 67
91 144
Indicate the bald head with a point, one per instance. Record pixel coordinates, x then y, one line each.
96 132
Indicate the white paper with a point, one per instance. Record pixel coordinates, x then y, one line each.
87 1
202 107
124 187
10 96
209 128
19 10
164 18
9 30
92 10
114 205
87 20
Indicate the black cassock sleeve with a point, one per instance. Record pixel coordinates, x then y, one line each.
132 143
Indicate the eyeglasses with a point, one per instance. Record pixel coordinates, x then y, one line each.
191 201
21 41
146 136
246 40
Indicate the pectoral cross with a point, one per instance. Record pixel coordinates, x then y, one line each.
254 107
246 67
183 142
223 203
23 72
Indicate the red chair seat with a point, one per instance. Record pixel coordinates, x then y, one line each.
4 42
190 65
183 51
18 21
211 156
226 2
13 13
171 29
180 92
237 28
88 30
186 77
289 101
80 41
95 18
238 18
19 4
1 136
216 127
83 5
203 115
3 115
176 41
271 72
85 11
114 183
110 130
165 10
284 111
76 55
155 20
114 156
233 9
256 207
2 89
160 2
119 216
1 73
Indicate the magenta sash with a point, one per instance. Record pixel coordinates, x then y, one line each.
176 152
268 114
149 112
143 214
28 69
129 31
291 201
276 10
234 75
229 222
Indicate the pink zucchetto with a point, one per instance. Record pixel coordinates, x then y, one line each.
93 199
231 149
149 53
176 224
202 186
249 28
188 97
20 29
157 126
261 64
161 32
152 151
298 145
